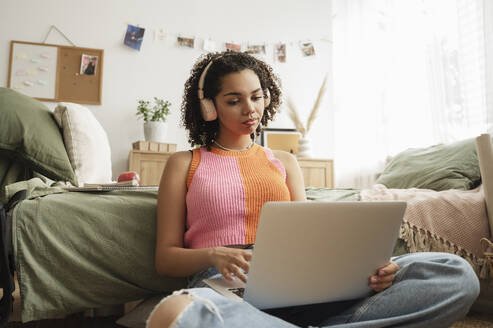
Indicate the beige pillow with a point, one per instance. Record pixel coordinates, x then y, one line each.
86 142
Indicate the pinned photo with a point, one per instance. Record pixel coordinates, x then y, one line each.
307 49
257 49
88 64
134 37
233 47
186 42
160 34
209 45
280 52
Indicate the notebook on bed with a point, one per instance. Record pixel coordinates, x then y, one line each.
314 252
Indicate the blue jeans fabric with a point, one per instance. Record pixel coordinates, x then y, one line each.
429 290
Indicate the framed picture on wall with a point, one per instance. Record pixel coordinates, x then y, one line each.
281 139
51 72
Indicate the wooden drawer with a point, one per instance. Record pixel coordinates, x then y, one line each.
317 172
149 165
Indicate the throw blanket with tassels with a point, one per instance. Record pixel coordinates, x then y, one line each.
452 221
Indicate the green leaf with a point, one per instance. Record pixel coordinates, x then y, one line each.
157 113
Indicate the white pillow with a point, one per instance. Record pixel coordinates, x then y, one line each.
86 142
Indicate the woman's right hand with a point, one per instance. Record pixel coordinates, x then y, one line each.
230 261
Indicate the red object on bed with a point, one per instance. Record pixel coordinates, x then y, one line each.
129 176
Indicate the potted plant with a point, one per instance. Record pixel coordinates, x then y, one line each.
154 118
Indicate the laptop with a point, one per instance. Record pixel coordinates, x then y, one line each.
316 252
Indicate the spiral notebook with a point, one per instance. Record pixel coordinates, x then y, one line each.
132 185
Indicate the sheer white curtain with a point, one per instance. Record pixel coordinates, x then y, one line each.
407 73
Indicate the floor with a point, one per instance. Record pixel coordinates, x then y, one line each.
73 321
473 320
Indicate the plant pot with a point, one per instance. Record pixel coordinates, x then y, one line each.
304 147
155 131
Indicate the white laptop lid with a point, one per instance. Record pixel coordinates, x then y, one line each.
314 252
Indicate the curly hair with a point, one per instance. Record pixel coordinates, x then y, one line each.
203 133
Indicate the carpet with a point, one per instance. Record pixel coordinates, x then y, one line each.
475 320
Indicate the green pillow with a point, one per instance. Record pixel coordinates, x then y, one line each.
440 167
30 135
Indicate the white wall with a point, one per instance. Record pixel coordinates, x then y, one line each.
160 68
488 26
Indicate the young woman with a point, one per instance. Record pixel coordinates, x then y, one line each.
209 203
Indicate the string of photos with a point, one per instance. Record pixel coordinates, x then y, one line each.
135 36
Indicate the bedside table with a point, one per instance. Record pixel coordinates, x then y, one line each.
149 165
317 172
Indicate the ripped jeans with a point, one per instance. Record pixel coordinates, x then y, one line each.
429 290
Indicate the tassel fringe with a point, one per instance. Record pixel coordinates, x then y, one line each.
421 240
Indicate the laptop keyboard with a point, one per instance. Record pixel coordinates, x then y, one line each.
237 291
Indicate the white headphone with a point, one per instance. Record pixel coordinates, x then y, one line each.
207 107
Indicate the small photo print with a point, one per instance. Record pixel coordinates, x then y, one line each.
210 45
186 42
280 52
256 49
134 37
88 64
307 49
233 47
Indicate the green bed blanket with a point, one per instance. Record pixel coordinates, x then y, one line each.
74 251
81 250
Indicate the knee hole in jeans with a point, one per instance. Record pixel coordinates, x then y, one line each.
168 310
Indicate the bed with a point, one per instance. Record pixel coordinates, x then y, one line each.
75 251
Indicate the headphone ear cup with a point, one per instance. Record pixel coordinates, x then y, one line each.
266 98
208 109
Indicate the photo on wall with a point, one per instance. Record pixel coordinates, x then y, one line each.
307 49
185 42
88 64
134 37
280 52
257 49
209 45
233 46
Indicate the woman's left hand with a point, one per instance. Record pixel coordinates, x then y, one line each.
384 277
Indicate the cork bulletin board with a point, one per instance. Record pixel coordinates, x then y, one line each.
56 73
